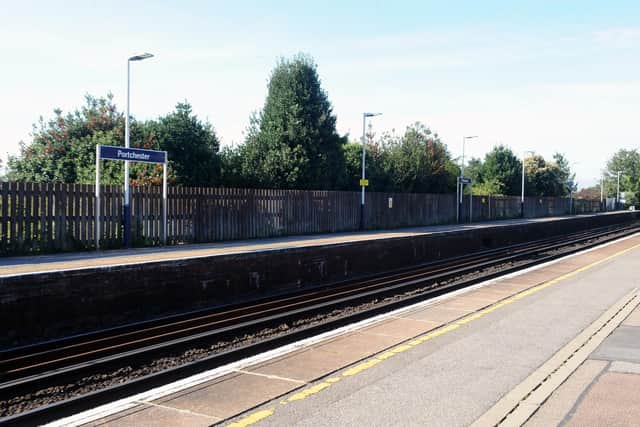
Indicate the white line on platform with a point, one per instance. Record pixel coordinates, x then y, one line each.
174 387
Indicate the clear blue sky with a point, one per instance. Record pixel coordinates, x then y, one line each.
549 76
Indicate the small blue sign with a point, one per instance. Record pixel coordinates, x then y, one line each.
465 180
109 152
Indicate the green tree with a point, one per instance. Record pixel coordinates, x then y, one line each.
473 170
419 162
231 167
565 175
544 178
191 146
293 142
628 162
63 148
501 171
375 167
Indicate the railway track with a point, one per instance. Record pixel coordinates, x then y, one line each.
28 369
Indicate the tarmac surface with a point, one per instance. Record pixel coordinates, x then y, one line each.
444 363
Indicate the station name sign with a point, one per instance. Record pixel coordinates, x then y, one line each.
109 152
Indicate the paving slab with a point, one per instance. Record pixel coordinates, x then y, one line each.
438 314
509 285
614 400
624 367
633 319
154 415
305 365
622 344
565 397
491 293
402 329
358 345
471 304
228 396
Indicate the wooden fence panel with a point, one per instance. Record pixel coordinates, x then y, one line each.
52 217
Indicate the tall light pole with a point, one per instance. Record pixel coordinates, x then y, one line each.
362 181
602 192
460 184
571 184
524 155
618 191
127 207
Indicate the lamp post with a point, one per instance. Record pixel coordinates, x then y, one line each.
571 184
618 190
127 208
602 192
362 181
460 183
524 154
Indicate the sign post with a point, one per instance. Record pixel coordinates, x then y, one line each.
97 197
462 182
109 152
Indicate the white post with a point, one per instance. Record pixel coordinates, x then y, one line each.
464 138
471 202
522 194
126 208
618 191
571 200
362 214
164 200
458 200
602 207
97 197
462 170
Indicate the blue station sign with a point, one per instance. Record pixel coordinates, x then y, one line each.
109 152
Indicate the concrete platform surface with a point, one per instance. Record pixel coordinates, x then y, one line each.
82 260
445 363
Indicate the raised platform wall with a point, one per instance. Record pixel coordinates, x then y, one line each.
43 306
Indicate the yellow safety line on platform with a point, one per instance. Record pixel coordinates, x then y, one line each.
363 366
253 418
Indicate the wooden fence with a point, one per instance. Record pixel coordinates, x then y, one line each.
38 218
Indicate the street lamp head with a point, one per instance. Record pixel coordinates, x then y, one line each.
141 57
372 114
470 137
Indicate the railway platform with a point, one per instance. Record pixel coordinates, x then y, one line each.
62 262
53 296
557 343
